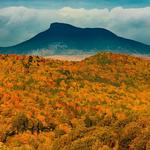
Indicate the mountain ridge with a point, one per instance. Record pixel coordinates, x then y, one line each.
62 38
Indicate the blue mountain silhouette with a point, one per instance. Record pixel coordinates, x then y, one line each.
63 38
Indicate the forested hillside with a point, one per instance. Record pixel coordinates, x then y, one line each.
99 103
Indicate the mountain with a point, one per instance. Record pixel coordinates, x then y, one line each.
63 38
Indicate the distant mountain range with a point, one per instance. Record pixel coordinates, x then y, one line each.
66 39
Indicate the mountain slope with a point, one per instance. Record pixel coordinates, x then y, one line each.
63 38
101 102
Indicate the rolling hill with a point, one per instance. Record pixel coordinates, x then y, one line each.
101 102
66 39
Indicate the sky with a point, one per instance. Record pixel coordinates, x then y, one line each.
22 19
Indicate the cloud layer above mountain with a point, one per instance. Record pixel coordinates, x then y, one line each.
21 23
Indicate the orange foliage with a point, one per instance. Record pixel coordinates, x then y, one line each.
95 104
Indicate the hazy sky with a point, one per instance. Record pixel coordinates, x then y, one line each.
22 19
75 3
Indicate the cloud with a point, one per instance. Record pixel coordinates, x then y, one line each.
21 23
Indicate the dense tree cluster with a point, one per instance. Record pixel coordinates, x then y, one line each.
99 103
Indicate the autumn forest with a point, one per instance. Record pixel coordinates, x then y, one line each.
100 103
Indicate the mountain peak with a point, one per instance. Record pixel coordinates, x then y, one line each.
60 26
63 38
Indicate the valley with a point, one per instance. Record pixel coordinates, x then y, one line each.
69 57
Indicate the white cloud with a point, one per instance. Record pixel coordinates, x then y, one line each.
20 23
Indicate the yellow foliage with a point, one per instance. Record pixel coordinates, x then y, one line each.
99 103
